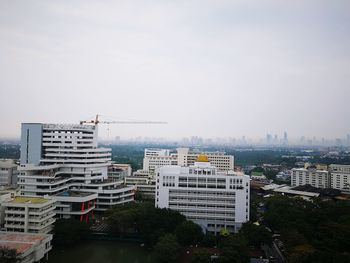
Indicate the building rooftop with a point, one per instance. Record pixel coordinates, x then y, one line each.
29 199
74 194
20 241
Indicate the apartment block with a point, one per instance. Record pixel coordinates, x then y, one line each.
340 177
310 176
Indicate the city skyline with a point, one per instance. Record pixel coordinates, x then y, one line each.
208 68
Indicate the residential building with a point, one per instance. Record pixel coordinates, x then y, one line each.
8 173
56 158
311 176
29 214
340 177
211 198
30 247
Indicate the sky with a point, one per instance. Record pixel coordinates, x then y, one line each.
209 68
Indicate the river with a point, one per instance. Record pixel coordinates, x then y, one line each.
97 251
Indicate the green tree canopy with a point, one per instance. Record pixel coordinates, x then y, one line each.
167 249
188 233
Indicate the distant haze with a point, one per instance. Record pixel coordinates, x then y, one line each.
210 68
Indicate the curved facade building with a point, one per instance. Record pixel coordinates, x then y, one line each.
56 158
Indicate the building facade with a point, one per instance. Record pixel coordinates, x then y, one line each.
56 158
29 214
340 177
156 158
310 176
8 173
211 198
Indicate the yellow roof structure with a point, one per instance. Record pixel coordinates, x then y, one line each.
202 158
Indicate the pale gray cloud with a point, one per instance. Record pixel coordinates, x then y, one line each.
209 68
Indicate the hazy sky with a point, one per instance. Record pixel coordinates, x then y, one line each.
209 68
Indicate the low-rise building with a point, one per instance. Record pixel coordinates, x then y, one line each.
29 247
29 214
310 176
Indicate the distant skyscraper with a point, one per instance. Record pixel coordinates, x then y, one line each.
268 138
285 138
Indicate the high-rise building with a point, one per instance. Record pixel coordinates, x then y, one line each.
285 138
211 198
57 158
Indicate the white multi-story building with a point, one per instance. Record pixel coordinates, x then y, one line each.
8 173
340 177
310 176
211 198
29 214
56 158
156 158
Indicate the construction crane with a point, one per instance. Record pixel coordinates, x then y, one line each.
97 121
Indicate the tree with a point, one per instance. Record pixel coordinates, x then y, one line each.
235 249
201 256
188 233
256 235
8 255
167 249
209 240
70 231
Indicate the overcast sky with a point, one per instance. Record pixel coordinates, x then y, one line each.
210 68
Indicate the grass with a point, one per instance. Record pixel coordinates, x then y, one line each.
33 200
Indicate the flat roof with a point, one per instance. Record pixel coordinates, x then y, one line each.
289 190
29 199
75 194
20 241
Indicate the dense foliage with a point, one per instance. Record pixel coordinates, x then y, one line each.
144 219
234 249
8 255
68 232
316 231
167 249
